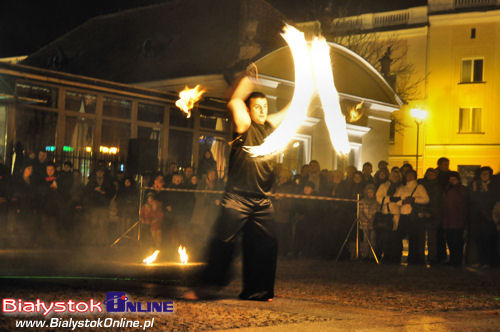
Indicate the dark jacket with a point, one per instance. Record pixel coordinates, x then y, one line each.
96 198
481 203
455 207
435 192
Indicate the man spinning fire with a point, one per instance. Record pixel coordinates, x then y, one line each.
246 208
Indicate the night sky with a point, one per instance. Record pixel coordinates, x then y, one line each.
25 26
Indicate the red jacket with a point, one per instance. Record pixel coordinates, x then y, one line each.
455 207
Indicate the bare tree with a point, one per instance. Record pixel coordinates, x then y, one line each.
400 74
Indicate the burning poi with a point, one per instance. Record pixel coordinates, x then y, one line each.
313 74
188 97
151 259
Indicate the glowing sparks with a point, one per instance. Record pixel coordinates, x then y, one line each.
329 96
304 89
313 73
182 254
151 259
188 97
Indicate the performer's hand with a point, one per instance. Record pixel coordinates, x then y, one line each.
169 208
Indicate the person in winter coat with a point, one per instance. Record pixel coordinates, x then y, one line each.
482 227
305 226
127 200
100 191
206 163
387 240
436 246
50 206
411 225
25 202
454 217
381 176
152 215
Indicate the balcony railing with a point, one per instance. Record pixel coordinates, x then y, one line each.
474 3
381 20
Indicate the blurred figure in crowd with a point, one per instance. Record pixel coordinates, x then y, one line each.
454 217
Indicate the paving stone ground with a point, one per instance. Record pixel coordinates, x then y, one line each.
312 295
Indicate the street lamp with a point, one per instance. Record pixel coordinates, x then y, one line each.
419 115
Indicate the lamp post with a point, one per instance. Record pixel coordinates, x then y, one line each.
419 115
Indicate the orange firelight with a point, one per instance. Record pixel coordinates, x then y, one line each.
188 97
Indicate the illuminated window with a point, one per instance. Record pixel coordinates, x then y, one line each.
469 120
472 70
392 131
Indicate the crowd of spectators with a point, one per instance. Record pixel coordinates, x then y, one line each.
442 220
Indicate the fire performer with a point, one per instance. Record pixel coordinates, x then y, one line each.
246 207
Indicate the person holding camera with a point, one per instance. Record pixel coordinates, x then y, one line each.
410 196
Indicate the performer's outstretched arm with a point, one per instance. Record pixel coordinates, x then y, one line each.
237 105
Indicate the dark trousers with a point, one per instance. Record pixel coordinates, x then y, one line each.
455 241
388 246
486 239
413 228
253 218
434 247
440 246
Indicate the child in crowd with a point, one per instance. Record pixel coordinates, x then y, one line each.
152 215
368 206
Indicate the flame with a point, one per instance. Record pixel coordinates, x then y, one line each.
183 254
150 259
188 97
323 76
313 73
297 110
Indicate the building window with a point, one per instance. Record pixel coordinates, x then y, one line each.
219 150
179 119
472 70
473 33
36 95
78 102
150 113
469 120
114 140
180 147
117 108
36 129
214 120
79 135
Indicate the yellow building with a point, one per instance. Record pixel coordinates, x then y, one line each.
453 49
